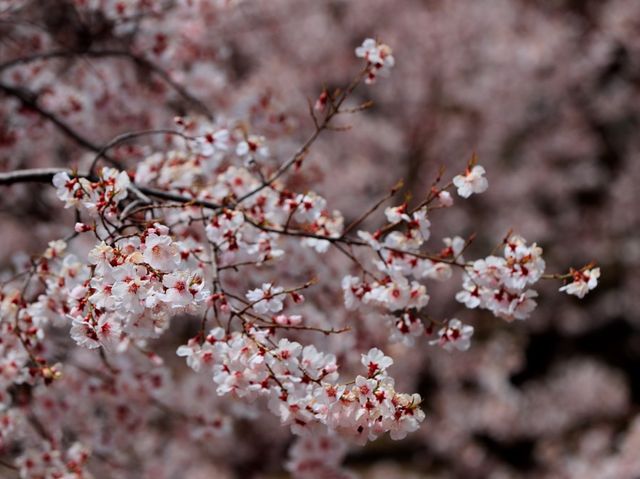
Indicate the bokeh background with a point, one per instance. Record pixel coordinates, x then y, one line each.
548 95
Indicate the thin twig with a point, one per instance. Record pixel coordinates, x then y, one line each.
304 149
130 136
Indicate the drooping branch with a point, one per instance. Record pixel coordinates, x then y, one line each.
30 100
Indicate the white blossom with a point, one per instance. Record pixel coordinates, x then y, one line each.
473 181
583 282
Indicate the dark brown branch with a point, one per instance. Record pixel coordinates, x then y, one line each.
165 195
34 175
30 100
45 175
8 465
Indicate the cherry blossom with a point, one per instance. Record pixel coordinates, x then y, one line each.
267 298
160 252
252 148
378 56
455 335
183 289
405 328
94 197
375 361
473 181
583 282
212 142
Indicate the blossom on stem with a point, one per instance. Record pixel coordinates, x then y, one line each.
378 56
160 252
454 335
583 282
473 181
375 361
266 299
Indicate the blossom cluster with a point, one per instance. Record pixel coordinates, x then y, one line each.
124 292
500 284
135 288
398 291
302 386
378 56
99 198
55 463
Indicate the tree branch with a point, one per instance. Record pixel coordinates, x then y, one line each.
33 175
45 175
130 136
30 100
138 59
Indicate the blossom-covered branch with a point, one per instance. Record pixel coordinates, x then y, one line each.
206 240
